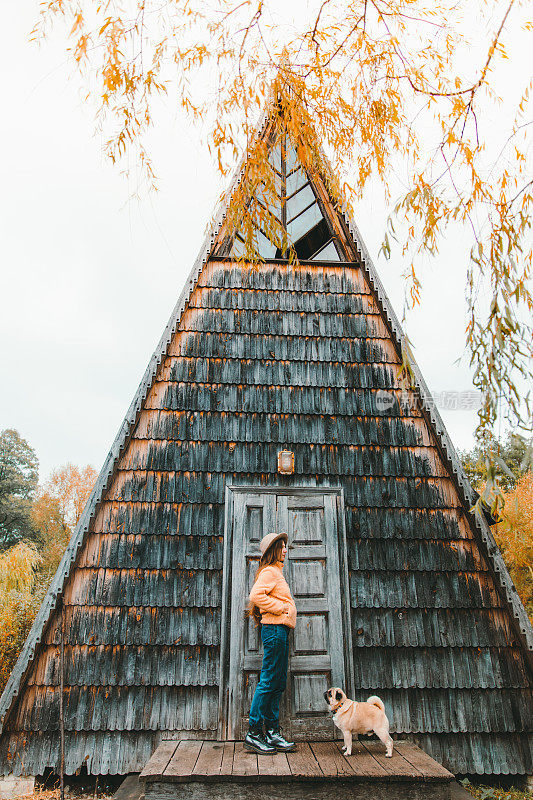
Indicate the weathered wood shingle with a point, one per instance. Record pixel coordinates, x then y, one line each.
255 359
143 600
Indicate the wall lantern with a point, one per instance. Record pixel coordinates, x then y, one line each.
285 462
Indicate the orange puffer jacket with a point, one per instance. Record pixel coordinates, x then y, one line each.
272 595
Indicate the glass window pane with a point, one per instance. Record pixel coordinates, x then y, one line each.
296 181
237 249
304 223
274 157
268 201
329 253
292 159
260 244
299 201
265 248
313 241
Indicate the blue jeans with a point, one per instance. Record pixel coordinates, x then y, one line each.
273 678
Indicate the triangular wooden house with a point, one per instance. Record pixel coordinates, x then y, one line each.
401 591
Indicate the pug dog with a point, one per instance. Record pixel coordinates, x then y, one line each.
352 717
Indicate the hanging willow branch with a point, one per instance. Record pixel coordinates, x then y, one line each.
383 83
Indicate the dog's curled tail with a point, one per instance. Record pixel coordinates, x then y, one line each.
375 701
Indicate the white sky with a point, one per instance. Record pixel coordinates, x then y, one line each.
88 280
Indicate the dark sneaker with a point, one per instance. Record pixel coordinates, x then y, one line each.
255 741
274 737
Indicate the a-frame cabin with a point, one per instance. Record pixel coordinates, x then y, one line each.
401 591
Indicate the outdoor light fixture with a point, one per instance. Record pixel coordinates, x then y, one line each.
285 462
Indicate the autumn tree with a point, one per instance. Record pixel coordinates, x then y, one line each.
514 536
56 511
27 567
513 458
407 88
18 482
18 604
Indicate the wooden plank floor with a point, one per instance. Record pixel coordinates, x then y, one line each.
206 761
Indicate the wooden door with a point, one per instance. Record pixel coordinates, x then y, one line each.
320 646
251 516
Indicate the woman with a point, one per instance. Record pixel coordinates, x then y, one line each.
272 606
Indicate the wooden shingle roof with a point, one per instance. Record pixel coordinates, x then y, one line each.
253 359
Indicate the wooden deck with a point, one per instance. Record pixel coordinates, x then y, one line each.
208 770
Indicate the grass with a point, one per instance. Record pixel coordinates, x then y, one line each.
496 793
70 794
478 792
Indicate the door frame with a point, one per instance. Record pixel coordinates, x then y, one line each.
225 633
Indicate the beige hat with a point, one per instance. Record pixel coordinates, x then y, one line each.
268 540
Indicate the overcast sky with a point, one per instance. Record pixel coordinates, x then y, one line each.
88 280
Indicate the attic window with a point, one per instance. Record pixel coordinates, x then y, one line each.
296 212
299 201
328 253
295 180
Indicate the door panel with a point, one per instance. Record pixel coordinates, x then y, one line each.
309 694
316 656
254 515
311 635
318 644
